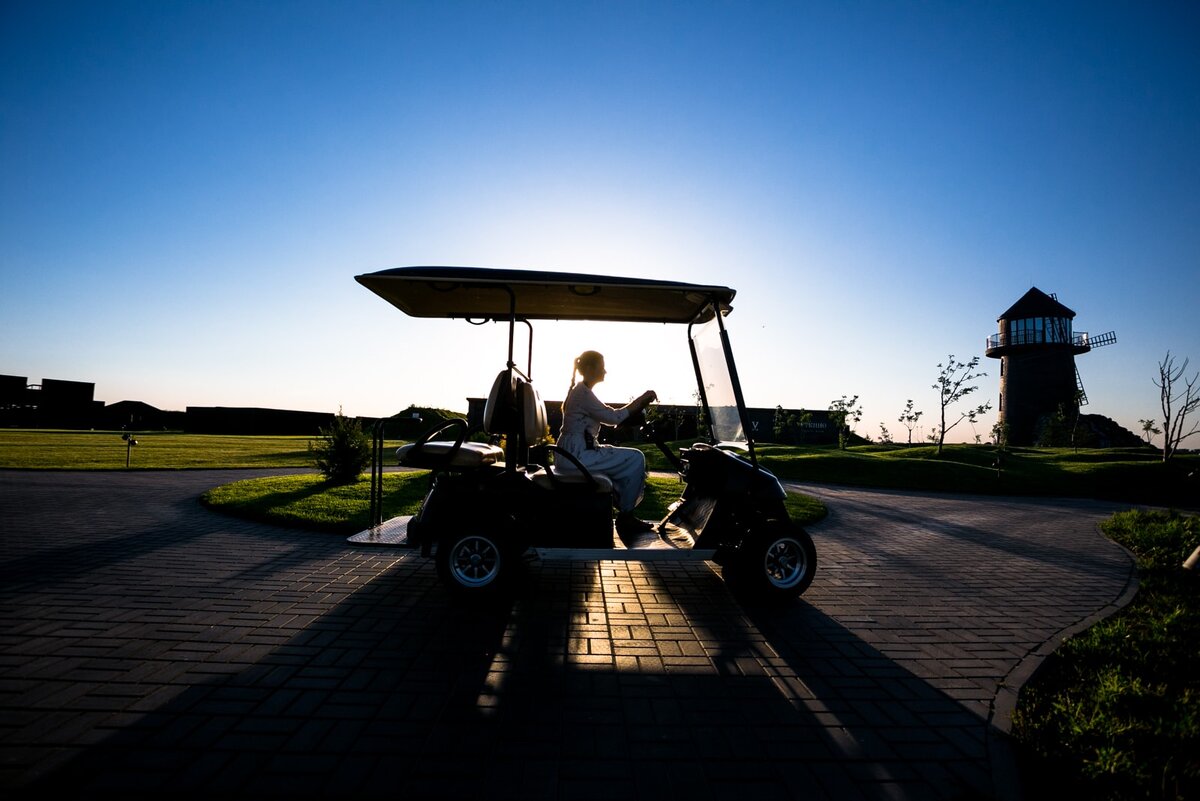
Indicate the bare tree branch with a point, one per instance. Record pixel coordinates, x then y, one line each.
1177 406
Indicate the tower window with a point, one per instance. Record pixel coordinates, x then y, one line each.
1037 330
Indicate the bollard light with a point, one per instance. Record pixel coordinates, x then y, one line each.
129 443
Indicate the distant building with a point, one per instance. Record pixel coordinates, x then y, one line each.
14 398
69 404
51 404
237 420
139 416
816 429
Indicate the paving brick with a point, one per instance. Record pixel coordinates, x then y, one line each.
148 646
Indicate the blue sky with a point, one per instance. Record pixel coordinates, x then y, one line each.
189 188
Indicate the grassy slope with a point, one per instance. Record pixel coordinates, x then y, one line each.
1128 474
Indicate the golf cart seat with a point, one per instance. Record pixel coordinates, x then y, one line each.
579 477
441 454
428 453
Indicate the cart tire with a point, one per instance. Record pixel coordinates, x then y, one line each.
473 564
776 562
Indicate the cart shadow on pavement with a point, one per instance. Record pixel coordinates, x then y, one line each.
594 680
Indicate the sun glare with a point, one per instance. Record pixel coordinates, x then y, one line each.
639 356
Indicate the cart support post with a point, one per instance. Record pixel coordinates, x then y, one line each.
376 504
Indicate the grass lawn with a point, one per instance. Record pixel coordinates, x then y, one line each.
29 449
307 501
1115 712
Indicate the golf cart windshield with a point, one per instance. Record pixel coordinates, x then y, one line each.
717 382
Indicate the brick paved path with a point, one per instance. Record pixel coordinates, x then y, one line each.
149 647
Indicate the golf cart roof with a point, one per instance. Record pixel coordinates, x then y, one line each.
479 293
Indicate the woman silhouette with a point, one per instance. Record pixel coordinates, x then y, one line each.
583 414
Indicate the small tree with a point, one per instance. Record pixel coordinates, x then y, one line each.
1176 406
1053 430
780 426
1149 431
845 414
885 436
789 426
343 450
952 386
799 421
664 421
1000 435
909 418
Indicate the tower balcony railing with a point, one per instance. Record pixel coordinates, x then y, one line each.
1079 339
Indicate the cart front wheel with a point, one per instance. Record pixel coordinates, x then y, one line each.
472 563
776 562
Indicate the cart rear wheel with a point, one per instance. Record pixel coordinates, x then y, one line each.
472 563
777 561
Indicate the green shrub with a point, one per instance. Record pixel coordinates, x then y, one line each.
343 450
1115 712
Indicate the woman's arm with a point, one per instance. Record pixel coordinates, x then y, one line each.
585 402
639 403
604 414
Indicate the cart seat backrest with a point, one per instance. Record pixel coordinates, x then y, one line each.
515 402
536 422
500 409
537 428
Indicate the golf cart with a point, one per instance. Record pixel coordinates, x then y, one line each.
490 502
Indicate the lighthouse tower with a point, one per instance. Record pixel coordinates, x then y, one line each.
1037 349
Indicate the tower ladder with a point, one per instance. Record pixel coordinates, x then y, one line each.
1080 394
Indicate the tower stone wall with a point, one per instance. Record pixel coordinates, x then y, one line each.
1034 383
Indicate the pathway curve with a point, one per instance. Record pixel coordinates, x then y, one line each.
149 647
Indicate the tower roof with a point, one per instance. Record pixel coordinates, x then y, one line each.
1036 303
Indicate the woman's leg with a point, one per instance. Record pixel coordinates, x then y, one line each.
626 468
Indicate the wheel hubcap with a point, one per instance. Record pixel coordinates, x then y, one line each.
475 562
785 563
